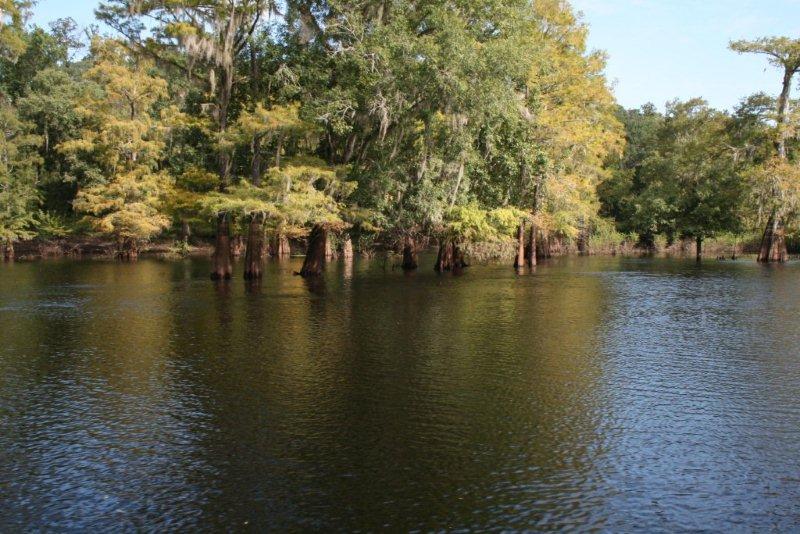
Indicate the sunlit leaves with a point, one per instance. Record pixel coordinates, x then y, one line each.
123 137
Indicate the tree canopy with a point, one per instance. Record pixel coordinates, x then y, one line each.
395 120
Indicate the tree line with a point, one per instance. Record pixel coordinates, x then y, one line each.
368 123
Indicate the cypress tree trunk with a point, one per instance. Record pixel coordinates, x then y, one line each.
8 250
222 268
773 243
410 262
315 255
127 249
519 261
543 247
699 247
284 247
582 239
347 248
531 248
329 253
254 254
444 260
237 245
186 231
458 260
280 246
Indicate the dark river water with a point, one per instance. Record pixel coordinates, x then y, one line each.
594 394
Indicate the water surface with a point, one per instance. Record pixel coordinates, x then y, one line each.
595 393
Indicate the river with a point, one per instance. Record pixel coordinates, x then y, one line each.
595 393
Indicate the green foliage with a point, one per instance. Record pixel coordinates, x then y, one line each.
680 174
122 139
292 198
471 223
782 52
12 33
18 161
404 118
51 225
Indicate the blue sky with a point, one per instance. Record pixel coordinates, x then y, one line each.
658 49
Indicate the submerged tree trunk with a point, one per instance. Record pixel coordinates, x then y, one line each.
222 268
237 245
530 250
281 247
254 255
410 261
444 260
773 243
315 255
8 250
583 239
458 260
127 249
543 247
347 248
329 252
519 261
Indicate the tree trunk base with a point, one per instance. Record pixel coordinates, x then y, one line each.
314 263
519 260
543 247
329 251
254 253
237 246
410 261
444 260
281 247
530 249
127 250
222 268
347 248
773 243
459 264
8 251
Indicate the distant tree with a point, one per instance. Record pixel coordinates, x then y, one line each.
49 105
12 27
620 191
43 50
693 189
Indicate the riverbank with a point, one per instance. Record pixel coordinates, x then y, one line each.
87 246
723 247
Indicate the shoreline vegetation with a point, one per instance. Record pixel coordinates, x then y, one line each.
727 247
485 130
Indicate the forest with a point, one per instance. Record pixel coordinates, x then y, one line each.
486 128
